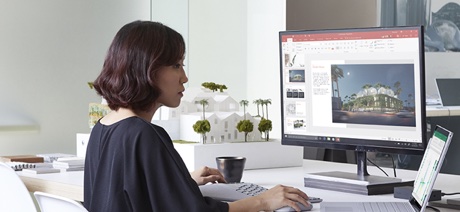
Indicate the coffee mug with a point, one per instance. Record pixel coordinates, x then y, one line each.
231 168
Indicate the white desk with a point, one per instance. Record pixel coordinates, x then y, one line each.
71 184
294 177
68 184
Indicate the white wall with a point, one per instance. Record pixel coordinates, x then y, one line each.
52 48
265 19
173 13
442 65
236 43
217 44
49 50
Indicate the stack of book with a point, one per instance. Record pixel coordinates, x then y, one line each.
18 166
69 164
22 158
20 162
40 168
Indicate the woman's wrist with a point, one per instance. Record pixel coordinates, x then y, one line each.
256 203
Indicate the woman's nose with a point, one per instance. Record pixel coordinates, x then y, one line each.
184 78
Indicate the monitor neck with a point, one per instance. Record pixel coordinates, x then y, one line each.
361 161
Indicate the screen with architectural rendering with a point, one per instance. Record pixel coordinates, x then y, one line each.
354 88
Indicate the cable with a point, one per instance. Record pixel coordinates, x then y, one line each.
377 166
447 194
394 166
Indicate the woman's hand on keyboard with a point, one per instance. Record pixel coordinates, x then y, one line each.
205 175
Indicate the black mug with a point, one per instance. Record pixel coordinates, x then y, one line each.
231 168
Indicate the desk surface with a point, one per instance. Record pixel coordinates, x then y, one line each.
67 184
70 184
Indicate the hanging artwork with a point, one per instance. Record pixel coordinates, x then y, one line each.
441 19
442 32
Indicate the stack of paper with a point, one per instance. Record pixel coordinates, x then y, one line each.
69 164
51 157
41 170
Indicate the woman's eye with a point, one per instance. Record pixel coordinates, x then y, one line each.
178 65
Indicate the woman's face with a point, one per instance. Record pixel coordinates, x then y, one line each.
171 81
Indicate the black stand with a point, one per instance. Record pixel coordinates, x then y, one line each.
360 183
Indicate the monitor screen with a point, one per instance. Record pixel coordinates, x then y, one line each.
354 89
351 88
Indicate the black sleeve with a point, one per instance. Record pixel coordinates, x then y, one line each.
158 176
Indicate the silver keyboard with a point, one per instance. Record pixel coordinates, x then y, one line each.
235 191
386 206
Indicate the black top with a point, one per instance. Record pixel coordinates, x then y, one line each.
133 166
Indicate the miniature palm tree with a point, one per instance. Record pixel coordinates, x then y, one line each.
265 126
262 104
202 126
244 103
258 102
266 102
204 103
245 126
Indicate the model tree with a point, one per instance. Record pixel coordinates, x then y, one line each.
245 126
222 88
265 126
244 103
204 103
213 86
258 102
202 126
266 102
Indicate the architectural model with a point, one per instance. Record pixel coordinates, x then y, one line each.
222 111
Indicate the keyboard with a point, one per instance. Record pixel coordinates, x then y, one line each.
230 192
367 206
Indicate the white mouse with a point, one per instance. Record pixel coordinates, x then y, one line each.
302 208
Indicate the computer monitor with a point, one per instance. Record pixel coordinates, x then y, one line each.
359 89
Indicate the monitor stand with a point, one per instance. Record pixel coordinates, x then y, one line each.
360 183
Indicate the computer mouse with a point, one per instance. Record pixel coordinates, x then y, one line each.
302 208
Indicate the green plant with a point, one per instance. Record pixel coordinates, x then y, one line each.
245 126
213 86
202 127
265 126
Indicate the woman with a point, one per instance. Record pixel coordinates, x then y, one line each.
131 164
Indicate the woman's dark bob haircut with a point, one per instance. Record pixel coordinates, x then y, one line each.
138 51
